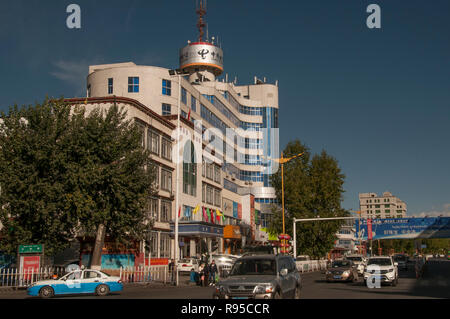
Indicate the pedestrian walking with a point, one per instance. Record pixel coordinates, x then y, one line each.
212 273
201 273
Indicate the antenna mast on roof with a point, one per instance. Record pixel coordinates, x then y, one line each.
201 11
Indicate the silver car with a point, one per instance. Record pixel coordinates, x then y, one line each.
261 277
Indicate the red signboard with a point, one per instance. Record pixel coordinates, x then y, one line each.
240 211
369 229
29 265
157 261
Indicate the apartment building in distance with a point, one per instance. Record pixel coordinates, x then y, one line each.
386 206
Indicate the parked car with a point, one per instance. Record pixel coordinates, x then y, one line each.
342 270
261 277
382 267
86 281
402 261
186 264
359 261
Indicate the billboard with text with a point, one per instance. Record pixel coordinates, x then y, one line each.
408 228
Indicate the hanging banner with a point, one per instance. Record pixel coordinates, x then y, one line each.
235 210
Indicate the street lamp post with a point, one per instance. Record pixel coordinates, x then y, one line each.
179 74
282 161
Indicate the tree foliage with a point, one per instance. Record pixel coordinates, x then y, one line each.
313 187
64 171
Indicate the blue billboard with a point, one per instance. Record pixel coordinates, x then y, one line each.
407 228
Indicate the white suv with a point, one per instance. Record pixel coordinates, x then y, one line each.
382 268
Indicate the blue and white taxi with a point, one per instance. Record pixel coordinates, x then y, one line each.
86 281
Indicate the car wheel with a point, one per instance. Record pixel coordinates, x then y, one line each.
297 293
46 292
102 290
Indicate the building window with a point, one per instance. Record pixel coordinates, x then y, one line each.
166 109
183 95
141 129
133 85
193 104
217 199
166 211
153 209
217 174
153 244
166 149
156 172
166 180
153 142
167 87
184 114
89 90
189 170
110 86
165 246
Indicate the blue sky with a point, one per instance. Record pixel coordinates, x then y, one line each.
377 100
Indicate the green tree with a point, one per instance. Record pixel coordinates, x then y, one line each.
67 172
313 187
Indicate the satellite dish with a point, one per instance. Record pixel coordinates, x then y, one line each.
72 267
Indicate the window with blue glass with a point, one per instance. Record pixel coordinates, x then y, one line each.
250 176
193 104
251 126
184 114
250 110
183 95
166 109
133 84
167 87
110 86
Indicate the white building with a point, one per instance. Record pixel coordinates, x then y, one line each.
219 167
386 206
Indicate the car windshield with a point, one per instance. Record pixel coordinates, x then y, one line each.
254 267
355 258
341 263
379 261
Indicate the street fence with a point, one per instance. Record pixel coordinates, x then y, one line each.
147 274
311 265
15 278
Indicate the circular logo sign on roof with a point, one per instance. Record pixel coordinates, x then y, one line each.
202 56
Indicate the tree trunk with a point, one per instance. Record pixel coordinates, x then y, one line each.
96 262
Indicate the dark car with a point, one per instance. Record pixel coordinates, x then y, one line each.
402 261
342 270
261 277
